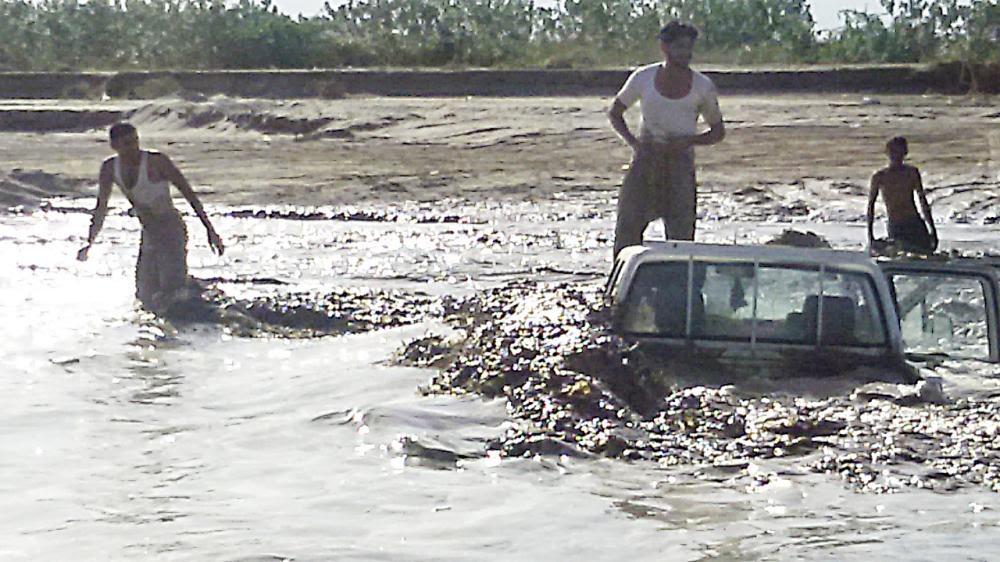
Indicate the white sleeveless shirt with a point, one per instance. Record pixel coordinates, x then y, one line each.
145 195
663 117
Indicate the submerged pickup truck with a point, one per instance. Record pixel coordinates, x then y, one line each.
802 309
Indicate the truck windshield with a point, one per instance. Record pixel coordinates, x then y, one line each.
777 303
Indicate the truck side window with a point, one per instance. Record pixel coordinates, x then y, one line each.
943 313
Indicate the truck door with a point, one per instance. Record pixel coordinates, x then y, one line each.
946 309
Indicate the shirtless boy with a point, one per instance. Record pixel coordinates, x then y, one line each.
897 183
144 176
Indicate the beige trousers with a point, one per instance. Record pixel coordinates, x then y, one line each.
162 265
658 185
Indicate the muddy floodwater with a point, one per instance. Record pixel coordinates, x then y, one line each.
324 432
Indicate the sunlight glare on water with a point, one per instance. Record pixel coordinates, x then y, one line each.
124 438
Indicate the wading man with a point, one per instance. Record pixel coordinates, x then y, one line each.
898 183
144 177
661 179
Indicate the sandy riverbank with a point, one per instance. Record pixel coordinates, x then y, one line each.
785 155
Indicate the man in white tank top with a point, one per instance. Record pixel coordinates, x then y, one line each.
661 179
145 177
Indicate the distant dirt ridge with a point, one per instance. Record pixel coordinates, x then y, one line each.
27 189
56 120
944 78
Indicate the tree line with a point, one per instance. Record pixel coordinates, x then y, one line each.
209 34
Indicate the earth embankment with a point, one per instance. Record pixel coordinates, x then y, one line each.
898 79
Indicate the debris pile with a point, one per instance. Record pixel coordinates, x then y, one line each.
573 389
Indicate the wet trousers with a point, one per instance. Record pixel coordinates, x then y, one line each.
913 236
162 265
658 185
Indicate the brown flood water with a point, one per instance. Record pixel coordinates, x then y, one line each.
129 439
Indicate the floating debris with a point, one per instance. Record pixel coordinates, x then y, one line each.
574 389
799 239
351 214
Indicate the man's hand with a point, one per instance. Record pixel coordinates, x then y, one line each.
215 242
82 254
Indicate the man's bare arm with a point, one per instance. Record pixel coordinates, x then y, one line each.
616 114
714 135
872 197
105 184
174 175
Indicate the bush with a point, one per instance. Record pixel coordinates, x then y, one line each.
211 34
159 87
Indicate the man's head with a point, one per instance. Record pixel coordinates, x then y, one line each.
897 149
124 137
677 42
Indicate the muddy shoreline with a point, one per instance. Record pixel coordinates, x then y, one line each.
897 79
787 157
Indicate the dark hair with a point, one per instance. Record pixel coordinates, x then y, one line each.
677 29
121 129
898 141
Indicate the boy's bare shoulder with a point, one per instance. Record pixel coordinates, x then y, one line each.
159 160
156 155
107 166
895 174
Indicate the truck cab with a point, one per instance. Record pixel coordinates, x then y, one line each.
801 309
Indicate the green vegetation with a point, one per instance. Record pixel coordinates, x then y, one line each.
919 30
208 34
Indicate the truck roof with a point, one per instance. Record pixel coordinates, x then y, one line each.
671 250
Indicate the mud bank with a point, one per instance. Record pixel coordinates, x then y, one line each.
48 120
787 157
943 78
264 307
547 351
26 190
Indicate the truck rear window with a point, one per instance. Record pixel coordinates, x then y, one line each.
776 303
